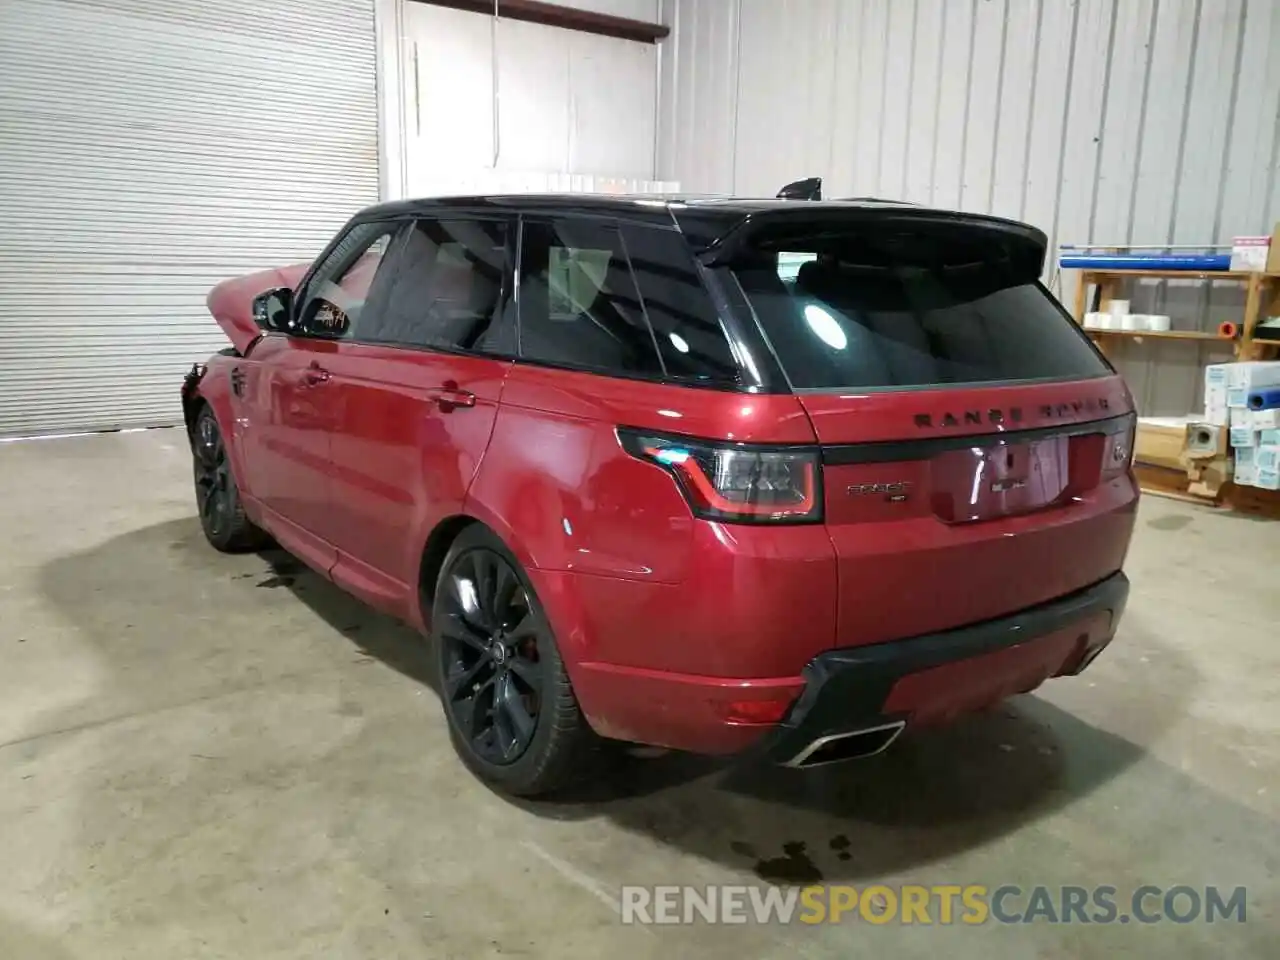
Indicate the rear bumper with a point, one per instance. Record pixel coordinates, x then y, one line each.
912 682
932 679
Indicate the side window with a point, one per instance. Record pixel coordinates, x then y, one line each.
579 305
691 342
335 296
444 288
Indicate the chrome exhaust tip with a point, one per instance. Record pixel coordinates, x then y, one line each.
849 745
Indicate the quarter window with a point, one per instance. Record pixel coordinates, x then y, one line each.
690 339
578 300
625 302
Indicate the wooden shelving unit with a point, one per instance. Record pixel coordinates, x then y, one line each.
1157 334
1262 297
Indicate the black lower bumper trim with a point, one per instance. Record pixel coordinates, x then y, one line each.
846 689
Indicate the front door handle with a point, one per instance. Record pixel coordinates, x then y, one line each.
315 374
449 397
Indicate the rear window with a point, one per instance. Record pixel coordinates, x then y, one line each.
626 301
902 308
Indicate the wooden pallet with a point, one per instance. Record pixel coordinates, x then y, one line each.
1172 484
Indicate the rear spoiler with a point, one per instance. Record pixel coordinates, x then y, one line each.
751 227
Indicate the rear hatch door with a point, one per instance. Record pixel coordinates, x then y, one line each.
975 445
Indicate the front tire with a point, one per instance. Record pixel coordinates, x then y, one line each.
222 516
512 714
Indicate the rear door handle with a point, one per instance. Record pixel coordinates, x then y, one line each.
315 374
449 396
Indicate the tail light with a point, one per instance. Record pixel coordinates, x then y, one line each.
736 482
1118 455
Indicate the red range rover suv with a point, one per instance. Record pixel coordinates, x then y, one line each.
717 475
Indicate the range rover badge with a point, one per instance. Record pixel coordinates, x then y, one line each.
893 492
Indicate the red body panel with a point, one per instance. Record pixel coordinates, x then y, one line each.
401 463
975 538
667 622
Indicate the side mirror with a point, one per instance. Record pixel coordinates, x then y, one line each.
271 309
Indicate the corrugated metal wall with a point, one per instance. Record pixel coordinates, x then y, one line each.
1105 121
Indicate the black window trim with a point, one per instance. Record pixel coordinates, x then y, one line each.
663 379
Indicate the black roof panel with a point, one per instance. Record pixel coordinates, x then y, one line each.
703 218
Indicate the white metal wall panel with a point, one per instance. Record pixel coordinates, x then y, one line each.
148 150
566 102
1114 121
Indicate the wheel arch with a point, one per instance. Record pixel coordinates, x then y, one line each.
207 385
442 537
434 551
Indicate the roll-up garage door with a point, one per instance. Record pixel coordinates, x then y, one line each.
149 149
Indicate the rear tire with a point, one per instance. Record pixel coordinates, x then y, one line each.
512 714
222 516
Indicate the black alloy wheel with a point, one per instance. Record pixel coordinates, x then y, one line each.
215 493
491 640
222 516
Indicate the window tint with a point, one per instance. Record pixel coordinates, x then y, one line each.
578 301
335 296
691 342
443 288
901 308
591 299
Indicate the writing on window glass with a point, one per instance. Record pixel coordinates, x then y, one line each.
575 277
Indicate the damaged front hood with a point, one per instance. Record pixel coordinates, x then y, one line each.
231 301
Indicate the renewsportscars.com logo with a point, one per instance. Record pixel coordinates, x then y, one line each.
972 904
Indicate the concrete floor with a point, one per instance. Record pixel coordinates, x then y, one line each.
210 756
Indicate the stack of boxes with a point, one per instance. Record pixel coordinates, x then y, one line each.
1254 434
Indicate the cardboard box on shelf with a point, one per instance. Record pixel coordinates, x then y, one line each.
1265 419
1215 375
1267 458
1246 466
1250 253
1219 416
1239 417
1238 398
1252 375
1243 437
1269 438
1267 479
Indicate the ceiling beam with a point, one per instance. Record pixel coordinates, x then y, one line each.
567 18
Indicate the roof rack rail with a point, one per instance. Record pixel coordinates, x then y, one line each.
908 203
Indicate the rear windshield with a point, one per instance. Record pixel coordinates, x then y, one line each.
904 308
